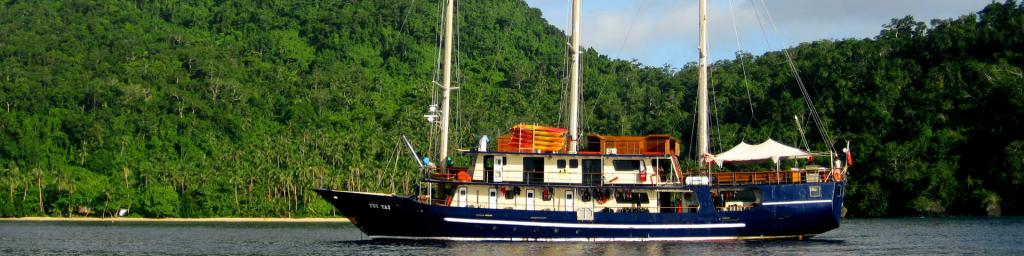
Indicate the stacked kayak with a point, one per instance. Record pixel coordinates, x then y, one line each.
532 138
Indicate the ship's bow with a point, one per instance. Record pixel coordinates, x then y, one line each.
377 214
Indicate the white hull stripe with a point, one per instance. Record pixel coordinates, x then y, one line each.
592 225
586 239
797 202
366 193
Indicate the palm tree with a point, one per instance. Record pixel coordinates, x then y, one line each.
38 173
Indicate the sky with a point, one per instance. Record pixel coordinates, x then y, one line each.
659 32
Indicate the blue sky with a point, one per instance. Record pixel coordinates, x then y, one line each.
658 32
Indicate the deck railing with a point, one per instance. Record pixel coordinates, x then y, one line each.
534 177
775 177
558 205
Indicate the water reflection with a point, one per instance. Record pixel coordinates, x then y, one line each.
873 236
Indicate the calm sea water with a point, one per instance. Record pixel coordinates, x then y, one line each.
912 236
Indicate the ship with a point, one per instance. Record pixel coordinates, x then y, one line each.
540 183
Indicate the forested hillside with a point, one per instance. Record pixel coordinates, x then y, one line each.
240 108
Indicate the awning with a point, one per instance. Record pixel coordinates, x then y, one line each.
767 150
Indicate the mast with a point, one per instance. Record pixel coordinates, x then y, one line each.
574 80
702 85
446 84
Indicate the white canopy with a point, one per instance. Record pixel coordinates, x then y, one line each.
768 149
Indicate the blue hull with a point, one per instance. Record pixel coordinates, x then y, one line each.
787 211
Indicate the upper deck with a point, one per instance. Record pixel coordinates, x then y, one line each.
591 169
609 161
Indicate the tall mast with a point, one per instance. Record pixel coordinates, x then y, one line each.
449 13
574 80
702 85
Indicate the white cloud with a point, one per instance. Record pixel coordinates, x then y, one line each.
665 31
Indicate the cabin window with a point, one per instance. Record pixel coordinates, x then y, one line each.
591 171
637 200
815 191
626 165
533 167
678 202
736 199
663 167
489 168
574 163
488 163
560 163
633 198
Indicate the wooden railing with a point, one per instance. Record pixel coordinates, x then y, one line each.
756 177
775 177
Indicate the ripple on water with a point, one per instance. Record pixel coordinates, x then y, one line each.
905 236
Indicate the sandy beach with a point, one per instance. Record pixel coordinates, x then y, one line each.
126 219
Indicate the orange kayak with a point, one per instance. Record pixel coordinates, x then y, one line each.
522 132
536 143
537 139
539 128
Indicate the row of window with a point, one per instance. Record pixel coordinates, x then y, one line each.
573 163
619 165
492 199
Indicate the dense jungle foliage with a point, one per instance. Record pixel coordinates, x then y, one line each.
239 108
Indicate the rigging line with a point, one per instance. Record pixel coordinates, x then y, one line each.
405 18
434 94
735 30
580 86
582 125
582 103
563 95
714 104
456 123
693 129
804 138
433 85
584 119
743 67
394 170
460 122
460 128
764 31
629 31
803 89
440 42
563 105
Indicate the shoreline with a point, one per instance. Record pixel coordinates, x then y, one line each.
139 219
